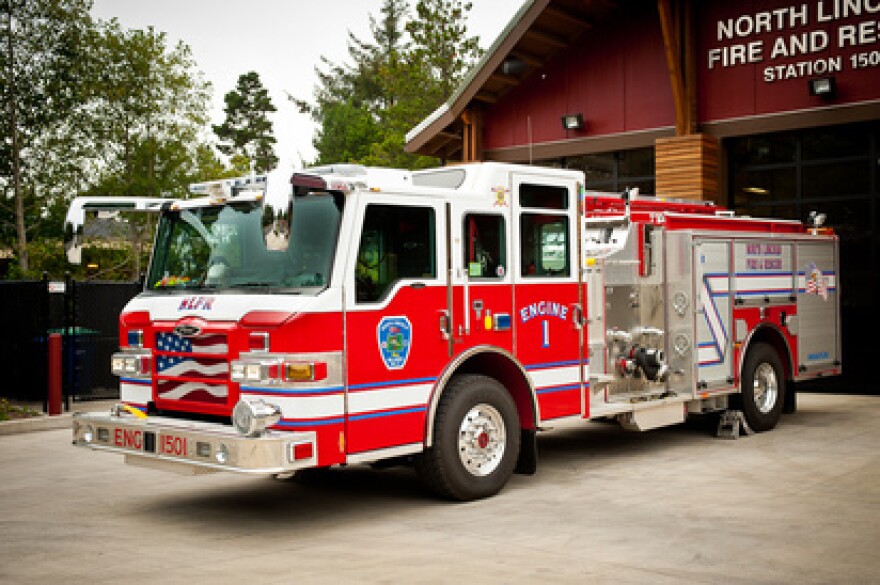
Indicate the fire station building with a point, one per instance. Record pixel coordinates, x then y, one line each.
769 107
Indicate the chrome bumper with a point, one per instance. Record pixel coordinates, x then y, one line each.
193 447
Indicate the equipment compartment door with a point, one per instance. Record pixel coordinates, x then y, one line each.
713 331
395 305
818 307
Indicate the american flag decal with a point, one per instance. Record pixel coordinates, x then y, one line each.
210 343
817 283
191 368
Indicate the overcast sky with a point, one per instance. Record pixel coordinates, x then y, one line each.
282 40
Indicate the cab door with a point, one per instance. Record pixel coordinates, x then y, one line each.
482 290
395 303
546 299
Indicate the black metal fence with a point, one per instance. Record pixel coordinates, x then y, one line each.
85 313
26 314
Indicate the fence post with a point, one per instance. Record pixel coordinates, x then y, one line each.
54 377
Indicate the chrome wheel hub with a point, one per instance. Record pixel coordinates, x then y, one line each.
766 388
481 440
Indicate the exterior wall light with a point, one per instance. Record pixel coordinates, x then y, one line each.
825 87
573 122
513 67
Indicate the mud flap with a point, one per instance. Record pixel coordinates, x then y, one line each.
527 464
790 398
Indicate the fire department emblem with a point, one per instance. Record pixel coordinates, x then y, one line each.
500 196
395 338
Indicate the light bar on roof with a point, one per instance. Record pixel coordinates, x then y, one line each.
229 187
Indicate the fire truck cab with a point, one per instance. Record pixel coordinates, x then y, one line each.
445 316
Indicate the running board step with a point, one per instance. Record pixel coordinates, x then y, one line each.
652 417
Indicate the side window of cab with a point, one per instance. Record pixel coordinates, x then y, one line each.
396 243
485 246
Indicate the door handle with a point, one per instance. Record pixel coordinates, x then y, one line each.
445 325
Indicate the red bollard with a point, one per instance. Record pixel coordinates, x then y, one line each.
54 374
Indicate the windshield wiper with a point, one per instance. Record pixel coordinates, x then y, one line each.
253 285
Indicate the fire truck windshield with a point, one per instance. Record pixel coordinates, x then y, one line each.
225 247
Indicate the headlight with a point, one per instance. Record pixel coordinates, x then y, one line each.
131 364
252 417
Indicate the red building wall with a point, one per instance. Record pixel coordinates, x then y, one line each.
748 66
615 75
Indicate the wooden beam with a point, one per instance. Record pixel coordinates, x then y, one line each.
504 79
526 58
486 97
568 17
690 68
668 25
547 38
472 135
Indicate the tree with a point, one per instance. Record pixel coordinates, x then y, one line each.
145 119
441 43
364 108
247 123
147 112
42 52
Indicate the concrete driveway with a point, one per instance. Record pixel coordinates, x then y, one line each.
800 504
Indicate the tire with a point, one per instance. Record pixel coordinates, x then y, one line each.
762 387
475 441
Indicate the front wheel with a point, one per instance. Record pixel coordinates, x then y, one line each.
763 387
475 442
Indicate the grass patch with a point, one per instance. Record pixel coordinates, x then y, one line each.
9 411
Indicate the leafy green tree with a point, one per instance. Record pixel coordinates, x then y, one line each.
147 112
247 123
145 120
404 71
41 56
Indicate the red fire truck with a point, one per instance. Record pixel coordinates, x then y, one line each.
443 317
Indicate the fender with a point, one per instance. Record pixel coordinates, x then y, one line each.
455 367
773 333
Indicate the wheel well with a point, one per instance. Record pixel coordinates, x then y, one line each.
774 338
495 364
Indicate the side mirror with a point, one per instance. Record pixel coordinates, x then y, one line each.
76 217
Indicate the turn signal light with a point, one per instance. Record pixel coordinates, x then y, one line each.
304 371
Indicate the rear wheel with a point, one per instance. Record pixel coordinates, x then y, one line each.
476 440
763 387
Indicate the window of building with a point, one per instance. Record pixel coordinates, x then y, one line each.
396 243
616 171
485 255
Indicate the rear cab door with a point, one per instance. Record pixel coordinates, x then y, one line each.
548 340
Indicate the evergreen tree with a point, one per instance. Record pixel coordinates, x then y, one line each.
247 124
441 42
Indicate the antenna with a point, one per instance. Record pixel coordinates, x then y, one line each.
529 128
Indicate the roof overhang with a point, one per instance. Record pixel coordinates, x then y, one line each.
537 33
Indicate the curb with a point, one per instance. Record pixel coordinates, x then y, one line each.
36 423
44 422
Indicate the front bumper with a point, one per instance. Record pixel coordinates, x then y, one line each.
194 447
